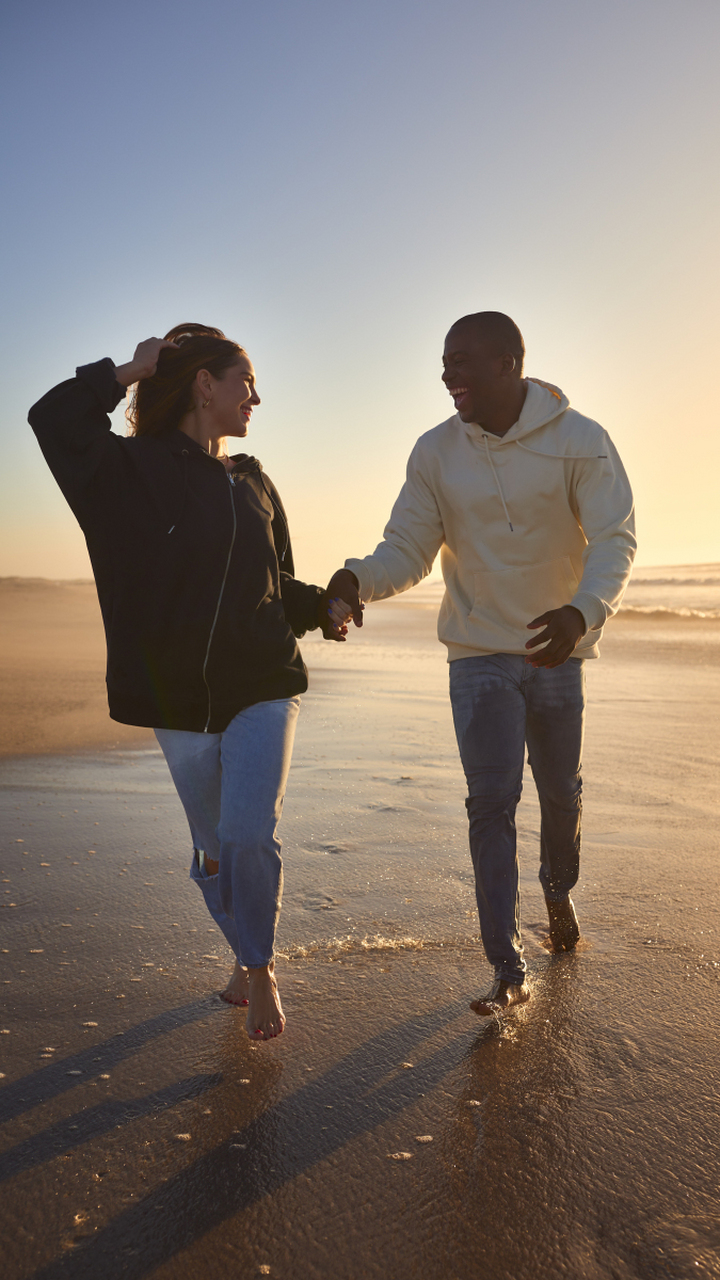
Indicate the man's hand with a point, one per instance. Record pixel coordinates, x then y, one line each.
564 629
143 363
344 586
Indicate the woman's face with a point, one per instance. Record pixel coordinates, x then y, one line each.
233 399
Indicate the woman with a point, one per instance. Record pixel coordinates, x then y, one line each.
194 572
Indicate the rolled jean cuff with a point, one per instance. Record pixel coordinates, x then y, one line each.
515 978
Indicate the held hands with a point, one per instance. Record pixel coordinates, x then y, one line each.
143 363
564 629
343 587
334 611
332 617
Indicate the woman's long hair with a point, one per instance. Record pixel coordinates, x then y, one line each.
162 401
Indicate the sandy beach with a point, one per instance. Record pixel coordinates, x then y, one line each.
52 672
388 1132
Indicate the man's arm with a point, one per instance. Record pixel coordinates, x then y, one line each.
605 511
411 540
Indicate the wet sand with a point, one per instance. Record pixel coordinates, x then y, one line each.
52 670
143 1135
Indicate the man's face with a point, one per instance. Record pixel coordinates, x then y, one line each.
472 371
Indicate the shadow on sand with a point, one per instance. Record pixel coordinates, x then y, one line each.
300 1130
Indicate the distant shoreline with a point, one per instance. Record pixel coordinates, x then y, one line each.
434 580
52 671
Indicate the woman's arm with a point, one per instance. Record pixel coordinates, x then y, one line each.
73 428
306 606
72 424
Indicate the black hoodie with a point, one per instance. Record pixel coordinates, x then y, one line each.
193 567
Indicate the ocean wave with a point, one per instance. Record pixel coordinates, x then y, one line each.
337 948
675 582
658 613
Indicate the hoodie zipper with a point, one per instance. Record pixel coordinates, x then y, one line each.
219 602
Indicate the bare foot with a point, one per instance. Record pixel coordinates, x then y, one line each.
502 996
265 1018
564 927
236 991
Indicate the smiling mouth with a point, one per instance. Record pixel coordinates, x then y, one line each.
457 394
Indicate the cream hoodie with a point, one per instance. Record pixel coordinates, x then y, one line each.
538 518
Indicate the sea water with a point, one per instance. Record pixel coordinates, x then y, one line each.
679 591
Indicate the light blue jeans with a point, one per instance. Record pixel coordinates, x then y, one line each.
499 704
232 787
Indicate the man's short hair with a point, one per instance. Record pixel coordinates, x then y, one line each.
500 331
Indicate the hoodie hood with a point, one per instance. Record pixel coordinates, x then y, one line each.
543 403
183 445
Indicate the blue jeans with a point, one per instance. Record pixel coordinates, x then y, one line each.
232 787
499 704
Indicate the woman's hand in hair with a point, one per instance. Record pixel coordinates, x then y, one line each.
144 362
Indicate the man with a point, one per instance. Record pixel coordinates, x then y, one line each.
528 502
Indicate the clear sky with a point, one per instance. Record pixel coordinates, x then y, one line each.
333 184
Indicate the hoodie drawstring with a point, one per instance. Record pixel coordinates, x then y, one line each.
498 486
537 453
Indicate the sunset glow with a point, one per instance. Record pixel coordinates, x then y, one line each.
333 187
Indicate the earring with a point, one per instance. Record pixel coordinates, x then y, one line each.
206 402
